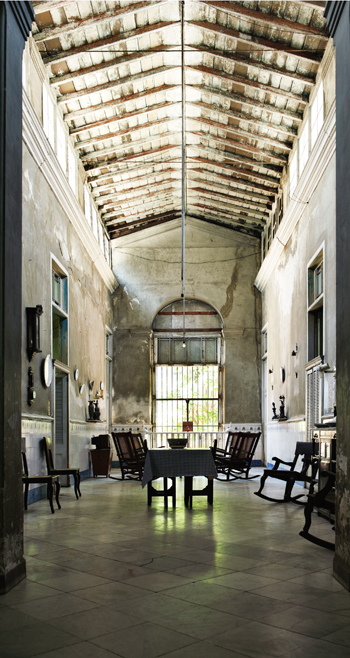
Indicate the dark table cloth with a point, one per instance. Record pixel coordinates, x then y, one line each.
176 463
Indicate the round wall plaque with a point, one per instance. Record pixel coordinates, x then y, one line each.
47 370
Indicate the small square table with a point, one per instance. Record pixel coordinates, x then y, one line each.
185 463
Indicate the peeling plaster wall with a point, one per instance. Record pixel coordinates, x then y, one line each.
284 314
221 266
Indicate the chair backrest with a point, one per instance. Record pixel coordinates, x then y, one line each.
50 465
246 446
137 441
124 446
25 464
232 441
308 450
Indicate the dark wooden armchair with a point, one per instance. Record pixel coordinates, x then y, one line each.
52 481
235 463
307 473
46 442
324 499
131 454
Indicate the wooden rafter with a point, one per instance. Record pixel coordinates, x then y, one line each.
106 199
119 133
116 40
144 220
259 17
136 229
92 21
242 219
127 158
253 42
225 202
234 181
261 182
132 182
210 218
259 201
145 194
245 134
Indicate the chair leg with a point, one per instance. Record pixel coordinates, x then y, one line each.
26 489
50 495
58 487
262 483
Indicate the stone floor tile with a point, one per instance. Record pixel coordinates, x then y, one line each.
27 590
242 580
34 639
156 582
203 650
200 622
278 571
259 641
341 636
319 649
319 579
291 592
80 650
150 640
111 594
13 619
75 581
93 623
307 621
199 592
54 606
248 605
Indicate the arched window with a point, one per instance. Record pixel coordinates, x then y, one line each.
187 367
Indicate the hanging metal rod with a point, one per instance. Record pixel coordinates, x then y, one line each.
183 158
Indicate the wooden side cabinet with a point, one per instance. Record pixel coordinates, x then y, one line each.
101 462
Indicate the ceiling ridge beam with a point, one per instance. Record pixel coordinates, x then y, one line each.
84 111
265 44
101 44
255 16
112 84
245 133
253 84
91 21
251 102
128 158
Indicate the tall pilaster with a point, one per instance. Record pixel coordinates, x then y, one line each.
15 24
338 19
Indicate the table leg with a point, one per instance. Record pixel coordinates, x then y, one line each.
188 490
165 485
149 492
210 490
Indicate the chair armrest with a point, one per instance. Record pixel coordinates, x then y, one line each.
279 461
222 452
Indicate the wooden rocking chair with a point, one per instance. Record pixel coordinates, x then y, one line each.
52 481
131 454
60 471
323 499
236 462
307 473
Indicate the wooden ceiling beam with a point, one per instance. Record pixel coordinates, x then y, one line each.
131 183
222 221
93 155
119 133
250 102
119 234
275 160
255 42
288 131
41 7
244 133
91 21
252 84
127 158
114 84
141 206
249 213
146 166
257 65
115 120
118 102
268 183
142 220
237 181
259 17
101 44
261 202
145 212
106 199
217 209
124 199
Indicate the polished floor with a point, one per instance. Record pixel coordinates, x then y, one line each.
108 576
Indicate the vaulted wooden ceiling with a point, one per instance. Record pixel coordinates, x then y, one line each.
116 68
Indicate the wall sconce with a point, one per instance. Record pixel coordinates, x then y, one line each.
81 388
271 371
33 330
76 374
91 386
295 352
282 375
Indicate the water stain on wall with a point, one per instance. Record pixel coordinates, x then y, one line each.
227 307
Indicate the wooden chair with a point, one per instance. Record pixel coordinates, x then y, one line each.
131 454
52 481
236 462
324 499
46 442
307 473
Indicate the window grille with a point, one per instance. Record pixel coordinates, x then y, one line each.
313 405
